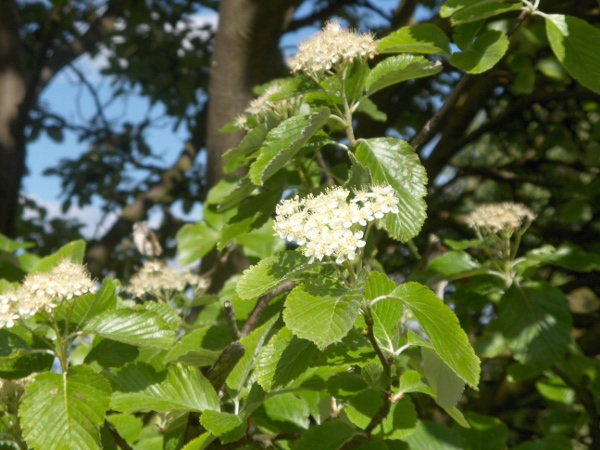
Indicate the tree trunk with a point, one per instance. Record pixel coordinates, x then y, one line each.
12 139
246 54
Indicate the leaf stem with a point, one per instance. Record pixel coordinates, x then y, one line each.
387 370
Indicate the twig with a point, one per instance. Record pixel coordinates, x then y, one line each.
586 398
387 370
231 322
432 126
227 360
262 304
116 436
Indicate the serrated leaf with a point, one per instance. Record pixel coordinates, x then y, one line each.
395 162
442 328
109 353
135 327
65 411
91 305
446 384
386 313
483 54
283 142
423 38
575 44
19 354
73 251
322 312
288 408
253 344
536 323
249 144
328 436
140 388
464 11
228 427
194 241
283 359
269 273
398 424
567 255
243 189
399 68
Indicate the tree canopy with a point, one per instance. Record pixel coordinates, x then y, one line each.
462 103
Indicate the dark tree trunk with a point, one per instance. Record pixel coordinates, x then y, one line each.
246 54
12 139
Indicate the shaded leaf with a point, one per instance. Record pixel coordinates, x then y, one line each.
228 427
536 323
464 11
194 241
399 68
483 54
444 381
328 436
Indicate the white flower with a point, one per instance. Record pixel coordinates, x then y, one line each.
44 290
155 276
329 225
331 46
496 217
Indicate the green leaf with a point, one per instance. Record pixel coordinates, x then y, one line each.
194 241
435 436
321 311
395 162
463 11
399 68
283 142
410 381
73 251
18 355
483 54
485 433
452 263
575 44
536 323
261 243
423 38
140 388
399 423
9 245
283 359
65 411
109 353
249 144
269 273
201 442
253 344
288 408
386 313
328 436
200 347
228 427
91 305
243 189
135 327
442 328
367 107
447 385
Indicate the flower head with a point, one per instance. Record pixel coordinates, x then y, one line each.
155 276
329 225
262 106
331 46
44 291
497 217
11 392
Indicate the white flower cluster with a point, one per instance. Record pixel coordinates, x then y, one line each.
261 106
329 225
44 290
497 217
155 276
330 46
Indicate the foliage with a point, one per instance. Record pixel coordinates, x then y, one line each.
324 342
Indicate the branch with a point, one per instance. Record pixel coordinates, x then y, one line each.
262 304
432 126
231 322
